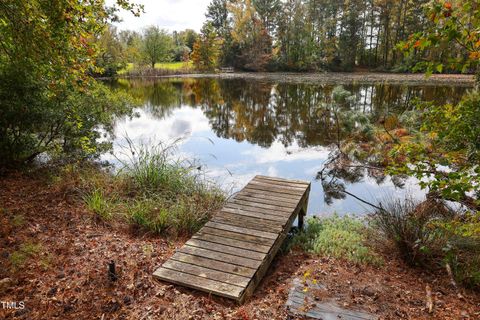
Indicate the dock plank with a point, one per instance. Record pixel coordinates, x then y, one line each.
213 264
264 211
212 286
248 222
275 188
232 242
262 234
256 194
219 256
206 273
267 192
231 253
237 236
225 249
254 213
253 204
305 183
266 200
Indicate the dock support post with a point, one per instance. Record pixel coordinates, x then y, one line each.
301 216
303 211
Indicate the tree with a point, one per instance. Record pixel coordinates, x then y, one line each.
157 45
250 37
206 50
219 15
48 100
112 56
131 42
268 12
189 37
446 156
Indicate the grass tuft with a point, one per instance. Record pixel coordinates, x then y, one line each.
101 205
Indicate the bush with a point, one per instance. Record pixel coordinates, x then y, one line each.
432 235
48 104
409 225
173 195
340 237
173 216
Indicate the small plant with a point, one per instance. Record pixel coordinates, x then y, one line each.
98 203
340 237
432 235
19 257
18 220
151 169
148 214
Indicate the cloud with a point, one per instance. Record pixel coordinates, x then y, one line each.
168 14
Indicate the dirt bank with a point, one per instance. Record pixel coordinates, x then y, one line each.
63 274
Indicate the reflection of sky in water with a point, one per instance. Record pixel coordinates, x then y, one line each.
233 164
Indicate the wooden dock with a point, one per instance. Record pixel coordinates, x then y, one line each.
230 255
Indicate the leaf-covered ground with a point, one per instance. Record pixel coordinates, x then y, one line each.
54 255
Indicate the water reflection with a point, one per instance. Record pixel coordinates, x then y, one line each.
242 128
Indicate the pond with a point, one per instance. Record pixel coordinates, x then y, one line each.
239 128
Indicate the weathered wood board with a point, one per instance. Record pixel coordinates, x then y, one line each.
303 303
230 255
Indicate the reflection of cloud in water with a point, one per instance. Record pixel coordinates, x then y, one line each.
180 128
183 122
278 152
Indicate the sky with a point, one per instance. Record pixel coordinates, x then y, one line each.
167 14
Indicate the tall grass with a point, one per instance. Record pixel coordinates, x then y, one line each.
166 194
154 168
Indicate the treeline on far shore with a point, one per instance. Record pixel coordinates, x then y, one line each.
302 36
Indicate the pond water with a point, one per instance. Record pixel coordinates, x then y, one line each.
238 129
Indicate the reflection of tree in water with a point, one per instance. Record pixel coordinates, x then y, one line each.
247 111
262 112
295 114
159 98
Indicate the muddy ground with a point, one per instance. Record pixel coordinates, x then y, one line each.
65 275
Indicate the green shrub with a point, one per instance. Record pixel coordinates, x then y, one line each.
152 169
340 237
463 256
148 214
18 220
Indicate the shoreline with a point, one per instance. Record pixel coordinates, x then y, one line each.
328 77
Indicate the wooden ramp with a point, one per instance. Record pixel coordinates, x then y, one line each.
232 252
